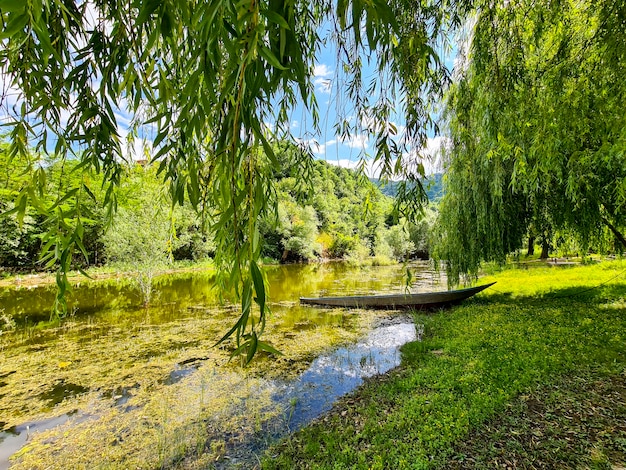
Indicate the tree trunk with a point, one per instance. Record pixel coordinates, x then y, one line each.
531 246
616 232
545 249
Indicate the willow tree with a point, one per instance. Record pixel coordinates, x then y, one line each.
537 129
211 83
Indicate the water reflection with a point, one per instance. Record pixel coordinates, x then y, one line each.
111 300
314 392
112 354
13 439
333 375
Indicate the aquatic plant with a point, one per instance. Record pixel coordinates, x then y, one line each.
7 322
127 363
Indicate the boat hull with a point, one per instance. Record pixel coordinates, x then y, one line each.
424 301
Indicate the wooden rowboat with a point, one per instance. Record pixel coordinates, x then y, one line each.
422 301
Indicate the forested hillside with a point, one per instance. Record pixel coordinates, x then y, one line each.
340 215
433 184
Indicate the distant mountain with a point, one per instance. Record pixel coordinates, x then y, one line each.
433 185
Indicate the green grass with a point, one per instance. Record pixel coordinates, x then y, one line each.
539 336
575 422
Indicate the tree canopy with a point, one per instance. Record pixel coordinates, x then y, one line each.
537 129
204 77
535 114
346 214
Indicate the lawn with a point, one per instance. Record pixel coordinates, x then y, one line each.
529 374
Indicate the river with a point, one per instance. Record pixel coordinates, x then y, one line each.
117 385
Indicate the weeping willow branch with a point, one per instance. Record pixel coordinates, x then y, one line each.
200 79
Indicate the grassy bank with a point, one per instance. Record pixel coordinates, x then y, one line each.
529 375
97 273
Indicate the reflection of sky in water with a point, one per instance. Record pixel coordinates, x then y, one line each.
333 375
13 439
329 377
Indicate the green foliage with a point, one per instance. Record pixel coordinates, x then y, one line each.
342 216
139 237
299 229
190 241
406 240
398 240
537 129
141 233
204 77
19 243
421 232
148 231
24 232
360 254
342 245
140 196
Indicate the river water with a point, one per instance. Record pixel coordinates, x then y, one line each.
119 385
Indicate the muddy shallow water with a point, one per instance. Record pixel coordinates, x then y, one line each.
121 386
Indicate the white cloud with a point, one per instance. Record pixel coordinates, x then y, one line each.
344 163
137 149
94 19
429 156
433 162
269 126
464 40
124 120
317 148
371 124
322 75
322 70
359 141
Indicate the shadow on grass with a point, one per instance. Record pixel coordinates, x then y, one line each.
576 422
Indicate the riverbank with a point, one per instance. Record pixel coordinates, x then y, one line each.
101 273
528 375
